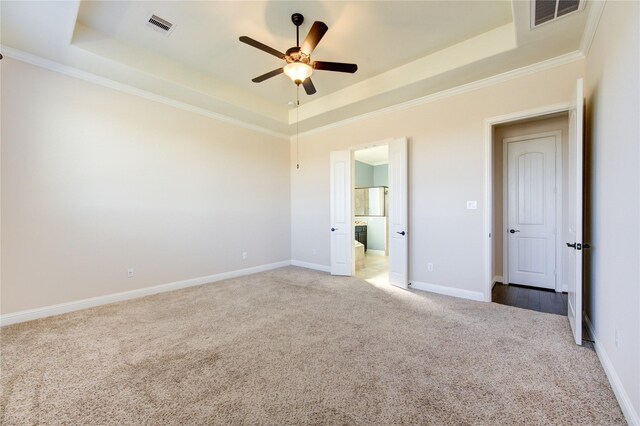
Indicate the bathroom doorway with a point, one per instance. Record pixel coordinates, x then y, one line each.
371 213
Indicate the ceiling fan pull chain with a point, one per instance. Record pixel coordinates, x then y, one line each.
298 126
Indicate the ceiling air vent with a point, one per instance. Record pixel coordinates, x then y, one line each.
543 11
161 25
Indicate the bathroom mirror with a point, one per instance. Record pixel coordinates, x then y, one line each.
371 201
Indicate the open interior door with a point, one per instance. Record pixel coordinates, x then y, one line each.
341 221
398 213
574 247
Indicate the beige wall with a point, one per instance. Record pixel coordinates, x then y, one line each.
548 124
95 181
446 168
613 199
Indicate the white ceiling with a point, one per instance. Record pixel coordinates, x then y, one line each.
404 50
374 156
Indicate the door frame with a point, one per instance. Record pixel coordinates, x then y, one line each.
489 124
352 150
558 205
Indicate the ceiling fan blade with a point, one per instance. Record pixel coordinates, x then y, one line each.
263 47
335 66
270 74
313 38
308 86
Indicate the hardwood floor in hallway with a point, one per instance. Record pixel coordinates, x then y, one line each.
534 299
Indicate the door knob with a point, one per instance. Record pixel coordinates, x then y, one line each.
513 231
401 233
334 229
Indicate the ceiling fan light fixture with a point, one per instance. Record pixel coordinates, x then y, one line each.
298 71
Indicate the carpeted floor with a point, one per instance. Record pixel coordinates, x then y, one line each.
294 346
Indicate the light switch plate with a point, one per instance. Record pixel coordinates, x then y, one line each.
472 205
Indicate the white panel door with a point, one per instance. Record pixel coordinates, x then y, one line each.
341 223
531 210
398 213
573 255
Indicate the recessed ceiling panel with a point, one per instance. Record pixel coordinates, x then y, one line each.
378 36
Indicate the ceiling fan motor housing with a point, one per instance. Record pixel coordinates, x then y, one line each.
295 55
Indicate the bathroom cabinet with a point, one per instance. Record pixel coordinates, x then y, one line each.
361 235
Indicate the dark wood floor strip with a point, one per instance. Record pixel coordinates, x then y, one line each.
530 298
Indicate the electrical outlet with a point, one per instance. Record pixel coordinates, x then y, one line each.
472 205
129 272
617 339
430 267
244 254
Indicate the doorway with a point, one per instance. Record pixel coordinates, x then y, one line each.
394 202
569 247
371 213
529 180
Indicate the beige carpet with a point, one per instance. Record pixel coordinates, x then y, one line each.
295 346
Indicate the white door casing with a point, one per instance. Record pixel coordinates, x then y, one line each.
398 213
573 247
531 210
342 237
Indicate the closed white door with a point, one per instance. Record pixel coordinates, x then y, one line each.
398 213
572 258
342 240
531 211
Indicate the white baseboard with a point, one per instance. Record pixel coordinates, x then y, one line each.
376 252
621 395
498 279
63 308
308 265
448 291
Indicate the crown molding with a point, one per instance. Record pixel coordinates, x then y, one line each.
125 88
475 85
489 81
591 26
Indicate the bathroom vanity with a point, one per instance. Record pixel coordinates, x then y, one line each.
361 235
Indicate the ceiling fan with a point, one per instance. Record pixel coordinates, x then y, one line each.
299 66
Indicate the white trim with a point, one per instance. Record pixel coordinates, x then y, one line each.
317 267
614 380
488 211
77 305
505 208
591 26
130 90
475 85
489 123
497 279
376 252
447 291
530 113
565 59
